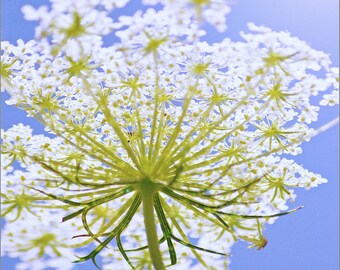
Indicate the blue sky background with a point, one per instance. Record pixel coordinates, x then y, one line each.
309 238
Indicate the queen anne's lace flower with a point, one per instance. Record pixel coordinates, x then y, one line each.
162 149
39 241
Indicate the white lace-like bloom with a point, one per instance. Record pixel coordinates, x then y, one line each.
161 150
330 99
40 242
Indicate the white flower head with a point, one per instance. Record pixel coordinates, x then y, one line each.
160 148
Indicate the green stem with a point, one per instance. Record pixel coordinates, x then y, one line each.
148 190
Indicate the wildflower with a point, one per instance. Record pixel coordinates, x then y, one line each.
162 147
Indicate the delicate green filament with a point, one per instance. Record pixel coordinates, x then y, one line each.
148 190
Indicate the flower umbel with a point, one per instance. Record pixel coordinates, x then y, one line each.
159 146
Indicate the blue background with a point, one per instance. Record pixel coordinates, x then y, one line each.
308 239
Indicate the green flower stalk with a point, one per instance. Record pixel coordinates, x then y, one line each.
160 150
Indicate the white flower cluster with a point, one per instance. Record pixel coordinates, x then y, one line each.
202 125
